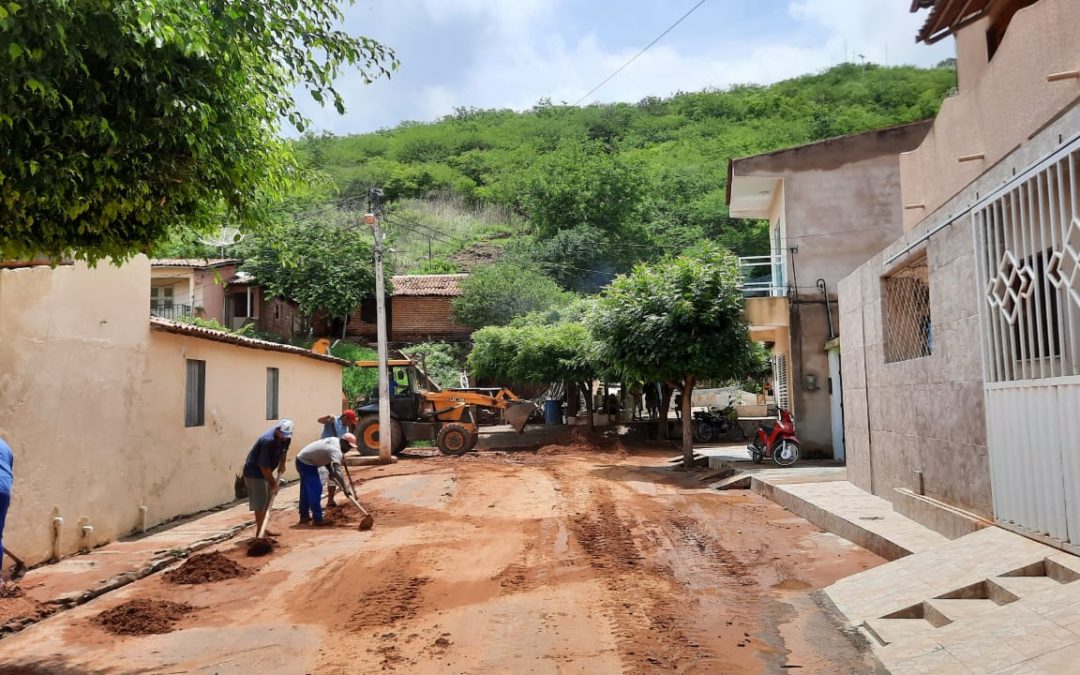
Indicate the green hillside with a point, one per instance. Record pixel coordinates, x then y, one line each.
600 187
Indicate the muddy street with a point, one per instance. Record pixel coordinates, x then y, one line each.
562 560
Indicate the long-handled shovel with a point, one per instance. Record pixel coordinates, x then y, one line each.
20 567
260 545
367 522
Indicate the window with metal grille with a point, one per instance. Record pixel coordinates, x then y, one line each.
272 393
1027 246
195 394
781 386
906 325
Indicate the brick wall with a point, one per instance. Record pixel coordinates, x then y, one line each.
279 317
417 318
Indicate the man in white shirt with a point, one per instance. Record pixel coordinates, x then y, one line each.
325 452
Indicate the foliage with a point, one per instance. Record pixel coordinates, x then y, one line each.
437 266
320 264
495 294
125 121
665 161
441 362
536 354
677 321
356 382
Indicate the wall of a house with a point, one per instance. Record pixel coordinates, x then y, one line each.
922 414
210 291
418 318
279 317
813 415
92 403
1001 104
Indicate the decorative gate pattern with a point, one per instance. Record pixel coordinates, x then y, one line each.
1027 248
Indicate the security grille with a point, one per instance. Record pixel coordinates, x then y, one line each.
780 382
1028 255
906 323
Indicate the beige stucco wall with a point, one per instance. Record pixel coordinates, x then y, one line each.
1000 105
92 402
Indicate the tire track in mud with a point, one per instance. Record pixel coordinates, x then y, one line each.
645 609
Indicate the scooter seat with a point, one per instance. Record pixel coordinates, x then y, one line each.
767 428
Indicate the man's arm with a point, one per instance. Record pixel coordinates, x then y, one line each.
268 474
335 475
325 419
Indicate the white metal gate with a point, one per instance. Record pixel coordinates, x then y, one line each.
1027 247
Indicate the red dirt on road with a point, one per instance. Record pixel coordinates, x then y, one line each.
566 561
143 617
204 568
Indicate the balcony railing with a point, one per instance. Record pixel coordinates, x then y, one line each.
170 311
763 276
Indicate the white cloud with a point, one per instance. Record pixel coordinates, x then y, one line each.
491 54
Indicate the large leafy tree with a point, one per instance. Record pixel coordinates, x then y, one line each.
494 294
322 265
676 322
124 120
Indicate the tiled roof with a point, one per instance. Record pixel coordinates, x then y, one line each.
448 285
947 16
167 326
192 262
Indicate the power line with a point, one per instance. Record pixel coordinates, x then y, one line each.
635 57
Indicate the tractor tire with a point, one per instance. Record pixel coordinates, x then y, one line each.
367 436
454 439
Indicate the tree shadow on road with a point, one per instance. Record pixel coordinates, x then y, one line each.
57 666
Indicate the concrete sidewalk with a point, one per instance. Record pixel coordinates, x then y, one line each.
986 602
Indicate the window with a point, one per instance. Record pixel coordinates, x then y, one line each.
781 390
908 330
272 376
161 299
1028 258
195 394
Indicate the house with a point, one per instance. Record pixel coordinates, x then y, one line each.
190 287
120 421
420 308
831 205
215 288
961 339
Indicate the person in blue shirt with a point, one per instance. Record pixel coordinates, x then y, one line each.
336 427
7 462
267 454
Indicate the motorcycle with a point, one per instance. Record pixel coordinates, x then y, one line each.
714 424
776 441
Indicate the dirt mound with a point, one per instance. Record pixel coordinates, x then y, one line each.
205 568
340 515
16 608
142 617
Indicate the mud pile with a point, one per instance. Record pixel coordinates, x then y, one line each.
17 609
205 568
340 515
142 617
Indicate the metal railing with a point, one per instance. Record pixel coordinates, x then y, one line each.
170 311
763 275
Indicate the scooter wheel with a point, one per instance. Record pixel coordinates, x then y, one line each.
786 453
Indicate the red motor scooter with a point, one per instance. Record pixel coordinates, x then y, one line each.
777 441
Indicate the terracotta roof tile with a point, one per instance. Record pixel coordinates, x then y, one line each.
192 262
448 285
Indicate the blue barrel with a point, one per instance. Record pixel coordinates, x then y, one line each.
553 412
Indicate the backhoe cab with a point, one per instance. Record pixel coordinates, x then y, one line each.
445 417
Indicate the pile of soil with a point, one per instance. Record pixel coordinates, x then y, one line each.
143 617
17 608
204 568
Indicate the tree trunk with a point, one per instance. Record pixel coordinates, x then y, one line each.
587 390
687 428
571 398
665 406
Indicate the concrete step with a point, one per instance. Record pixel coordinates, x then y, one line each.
889 631
739 481
1023 587
959 610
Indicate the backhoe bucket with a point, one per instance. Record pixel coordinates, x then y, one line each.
518 414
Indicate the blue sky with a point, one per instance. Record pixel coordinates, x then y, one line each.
512 53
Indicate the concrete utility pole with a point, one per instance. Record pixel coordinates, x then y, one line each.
372 220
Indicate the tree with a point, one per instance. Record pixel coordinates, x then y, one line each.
675 322
123 121
494 294
320 265
536 354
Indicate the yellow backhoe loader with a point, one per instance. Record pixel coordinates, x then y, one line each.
445 417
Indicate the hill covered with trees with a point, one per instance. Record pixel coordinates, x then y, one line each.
582 193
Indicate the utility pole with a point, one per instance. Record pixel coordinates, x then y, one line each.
371 219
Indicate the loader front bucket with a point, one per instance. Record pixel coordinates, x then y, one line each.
517 414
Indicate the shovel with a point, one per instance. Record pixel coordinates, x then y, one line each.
19 570
367 522
260 545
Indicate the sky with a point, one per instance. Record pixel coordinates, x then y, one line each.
512 53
